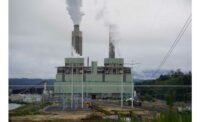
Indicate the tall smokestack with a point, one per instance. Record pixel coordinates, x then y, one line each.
111 46
77 40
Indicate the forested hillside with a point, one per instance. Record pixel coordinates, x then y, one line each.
175 84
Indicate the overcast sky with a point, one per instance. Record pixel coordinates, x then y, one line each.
40 34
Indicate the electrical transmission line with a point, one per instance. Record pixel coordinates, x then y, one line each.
178 38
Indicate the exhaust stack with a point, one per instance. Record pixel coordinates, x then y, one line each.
111 47
77 40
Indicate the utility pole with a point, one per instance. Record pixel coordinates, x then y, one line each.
82 86
122 88
72 88
132 84
132 88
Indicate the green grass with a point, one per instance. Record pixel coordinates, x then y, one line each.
162 117
28 109
173 117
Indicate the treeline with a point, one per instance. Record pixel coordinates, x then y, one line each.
175 84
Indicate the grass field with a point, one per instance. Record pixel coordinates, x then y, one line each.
28 109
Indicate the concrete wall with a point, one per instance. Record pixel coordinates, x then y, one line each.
114 60
74 60
94 77
92 87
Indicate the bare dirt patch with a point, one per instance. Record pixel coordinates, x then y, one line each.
71 115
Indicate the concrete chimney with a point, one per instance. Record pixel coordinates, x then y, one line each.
77 40
111 47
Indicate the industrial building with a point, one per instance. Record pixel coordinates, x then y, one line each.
113 80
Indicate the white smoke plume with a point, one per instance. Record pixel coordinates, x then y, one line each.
105 13
74 53
74 10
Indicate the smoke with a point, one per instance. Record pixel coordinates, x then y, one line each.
105 13
74 10
114 33
102 13
74 53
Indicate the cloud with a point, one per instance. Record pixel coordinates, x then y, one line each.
40 34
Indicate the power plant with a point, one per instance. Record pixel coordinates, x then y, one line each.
82 89
78 82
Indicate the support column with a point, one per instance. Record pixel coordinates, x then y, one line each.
82 87
122 89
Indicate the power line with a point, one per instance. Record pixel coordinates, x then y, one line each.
176 41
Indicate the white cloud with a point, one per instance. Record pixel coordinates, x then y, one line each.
40 33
